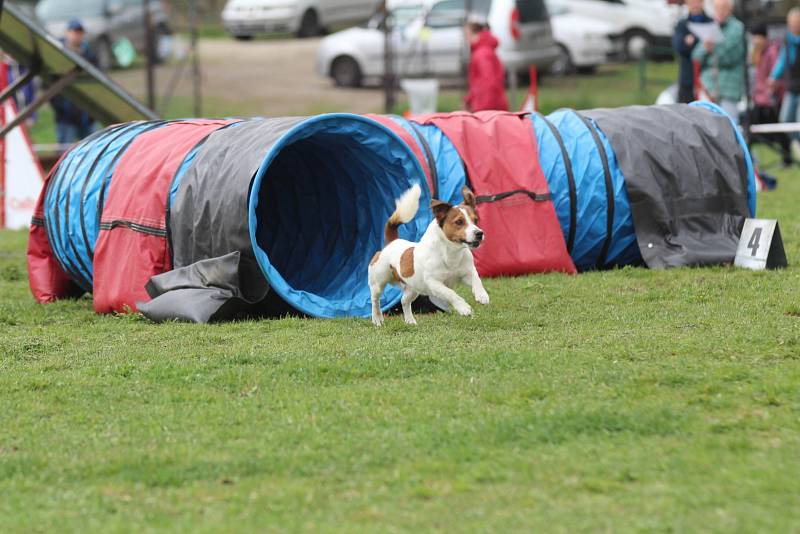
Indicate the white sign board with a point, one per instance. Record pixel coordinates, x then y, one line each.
760 245
21 177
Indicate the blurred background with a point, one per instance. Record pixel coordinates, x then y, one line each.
303 57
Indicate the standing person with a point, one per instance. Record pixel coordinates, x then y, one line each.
684 43
722 63
72 123
486 76
787 69
767 95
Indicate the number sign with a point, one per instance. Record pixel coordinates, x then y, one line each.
760 245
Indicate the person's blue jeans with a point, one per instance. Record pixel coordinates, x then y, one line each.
790 109
67 132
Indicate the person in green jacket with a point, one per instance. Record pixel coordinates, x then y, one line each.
722 63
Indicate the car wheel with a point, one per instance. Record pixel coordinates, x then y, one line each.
243 37
635 44
346 72
309 24
563 64
105 56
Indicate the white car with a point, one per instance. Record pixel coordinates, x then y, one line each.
584 42
428 40
245 18
640 23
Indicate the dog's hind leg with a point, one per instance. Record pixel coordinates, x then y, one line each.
409 296
376 286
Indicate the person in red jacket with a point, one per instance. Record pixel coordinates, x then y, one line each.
486 76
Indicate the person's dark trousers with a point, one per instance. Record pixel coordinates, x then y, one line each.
685 94
770 115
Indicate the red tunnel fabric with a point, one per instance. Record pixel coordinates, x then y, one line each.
132 242
47 279
500 155
411 142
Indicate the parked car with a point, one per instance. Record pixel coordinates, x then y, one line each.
105 21
584 42
641 23
428 40
246 18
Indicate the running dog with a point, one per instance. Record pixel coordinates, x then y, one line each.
433 266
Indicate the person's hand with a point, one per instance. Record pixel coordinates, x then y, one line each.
689 39
709 46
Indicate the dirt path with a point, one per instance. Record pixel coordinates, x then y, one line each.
272 78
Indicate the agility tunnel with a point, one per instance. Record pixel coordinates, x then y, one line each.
205 219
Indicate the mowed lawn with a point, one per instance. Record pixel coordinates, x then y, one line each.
628 400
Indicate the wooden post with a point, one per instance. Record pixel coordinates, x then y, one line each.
150 53
388 62
196 75
43 98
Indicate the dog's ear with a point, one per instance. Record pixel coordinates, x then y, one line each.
440 209
469 197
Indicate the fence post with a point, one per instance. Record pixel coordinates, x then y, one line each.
643 73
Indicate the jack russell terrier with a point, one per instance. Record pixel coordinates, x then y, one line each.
433 266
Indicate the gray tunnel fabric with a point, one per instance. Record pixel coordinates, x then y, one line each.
205 291
686 178
208 222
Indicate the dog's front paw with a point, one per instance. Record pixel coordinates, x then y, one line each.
482 297
411 321
462 308
377 320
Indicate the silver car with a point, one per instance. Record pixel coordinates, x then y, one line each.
428 39
105 21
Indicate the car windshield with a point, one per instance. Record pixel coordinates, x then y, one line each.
405 14
59 9
402 16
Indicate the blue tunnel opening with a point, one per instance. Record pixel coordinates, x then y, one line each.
317 210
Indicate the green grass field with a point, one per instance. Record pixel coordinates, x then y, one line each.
628 400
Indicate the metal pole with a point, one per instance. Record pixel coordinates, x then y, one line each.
43 98
465 49
196 80
150 53
19 82
388 62
748 100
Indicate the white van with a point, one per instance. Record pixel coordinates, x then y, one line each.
246 18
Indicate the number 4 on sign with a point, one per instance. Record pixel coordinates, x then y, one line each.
760 245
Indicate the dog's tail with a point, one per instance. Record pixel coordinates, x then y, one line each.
407 206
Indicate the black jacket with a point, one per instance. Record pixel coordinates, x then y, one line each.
686 76
66 111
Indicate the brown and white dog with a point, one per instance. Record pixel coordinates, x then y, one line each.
433 266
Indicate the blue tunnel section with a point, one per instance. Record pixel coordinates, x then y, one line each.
75 194
320 201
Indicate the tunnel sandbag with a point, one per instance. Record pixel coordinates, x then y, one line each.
302 203
689 180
